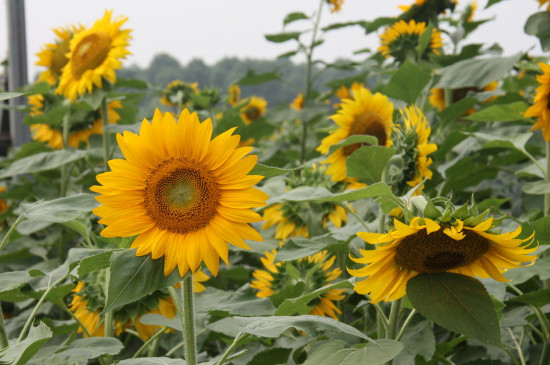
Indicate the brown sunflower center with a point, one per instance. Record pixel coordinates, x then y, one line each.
367 123
59 58
253 113
181 196
90 52
437 252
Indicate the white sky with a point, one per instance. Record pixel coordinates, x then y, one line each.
214 29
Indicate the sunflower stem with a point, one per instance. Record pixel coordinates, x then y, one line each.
547 179
405 324
236 342
394 319
109 319
186 316
545 356
518 347
3 335
353 213
149 342
105 119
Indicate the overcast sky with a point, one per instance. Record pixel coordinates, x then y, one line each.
214 29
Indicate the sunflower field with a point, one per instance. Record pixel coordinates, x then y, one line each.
400 215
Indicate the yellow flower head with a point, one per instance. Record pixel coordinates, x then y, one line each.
53 55
234 95
428 246
184 196
253 110
365 114
94 55
298 103
542 2
314 271
540 109
345 93
437 96
401 39
177 90
336 5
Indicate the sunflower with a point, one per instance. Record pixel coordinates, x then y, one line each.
540 108
336 5
53 55
234 95
401 40
542 2
253 110
428 246
79 132
176 90
345 93
314 271
426 10
94 54
437 96
298 102
368 114
182 194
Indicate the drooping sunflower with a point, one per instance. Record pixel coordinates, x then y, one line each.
94 55
80 130
402 38
253 110
542 2
314 271
176 90
234 95
437 96
298 102
184 195
540 108
53 55
336 5
429 246
368 114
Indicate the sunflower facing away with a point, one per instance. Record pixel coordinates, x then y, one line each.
184 195
53 55
366 113
540 109
176 90
437 96
253 110
314 271
428 246
401 39
94 55
234 95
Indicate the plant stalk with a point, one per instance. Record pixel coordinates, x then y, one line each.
186 316
236 342
3 335
105 119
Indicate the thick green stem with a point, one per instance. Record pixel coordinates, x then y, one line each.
149 341
3 335
518 347
405 324
236 342
65 138
394 319
105 119
109 320
547 179
545 356
186 316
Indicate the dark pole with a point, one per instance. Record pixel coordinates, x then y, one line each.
17 68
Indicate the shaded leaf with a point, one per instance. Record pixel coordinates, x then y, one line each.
501 113
282 37
83 349
373 353
537 298
353 139
369 162
61 210
536 188
538 25
407 83
10 95
252 78
42 162
292 17
270 171
20 353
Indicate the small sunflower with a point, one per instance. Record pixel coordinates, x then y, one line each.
80 131
298 102
542 2
234 95
437 96
182 194
314 271
176 90
368 114
254 109
53 55
94 55
540 109
336 5
401 39
428 246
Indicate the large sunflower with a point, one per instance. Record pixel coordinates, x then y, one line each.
94 55
437 96
540 109
182 194
314 271
428 246
401 40
79 132
253 110
367 113
53 55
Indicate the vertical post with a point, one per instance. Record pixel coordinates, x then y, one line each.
17 68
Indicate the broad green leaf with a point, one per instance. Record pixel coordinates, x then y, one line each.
95 98
537 298
82 226
83 349
407 83
312 325
270 171
11 284
61 210
233 302
337 352
455 110
20 353
342 25
272 356
324 351
131 83
517 141
369 162
347 81
536 188
42 162
457 180
292 17
297 305
152 361
53 117
541 227
10 95
299 247
133 277
501 113
475 72
100 259
457 302
252 78
353 139
538 25
282 37
377 23
424 40
419 339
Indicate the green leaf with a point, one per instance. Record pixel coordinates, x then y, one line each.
353 139
369 162
536 188
516 141
83 349
100 259
455 110
539 25
234 302
10 95
270 171
292 17
42 162
297 305
133 277
377 23
373 353
457 302
52 117
312 325
541 227
347 81
407 83
131 83
95 98
492 2
475 72
252 78
282 37
299 247
60 210
537 298
501 113
20 353
153 361
424 40
13 280
342 25
272 356
82 226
